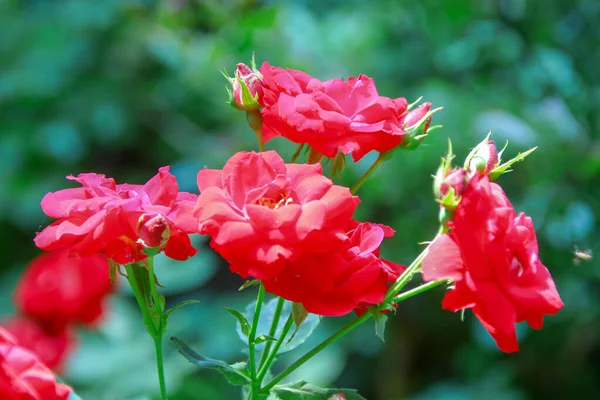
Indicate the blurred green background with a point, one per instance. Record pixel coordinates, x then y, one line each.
124 87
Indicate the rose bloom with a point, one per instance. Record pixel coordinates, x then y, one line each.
491 254
52 347
336 115
337 282
262 213
58 289
23 376
102 217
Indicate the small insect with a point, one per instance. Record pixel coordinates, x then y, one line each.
585 255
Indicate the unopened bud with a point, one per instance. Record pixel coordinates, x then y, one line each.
246 88
455 180
483 158
416 124
153 231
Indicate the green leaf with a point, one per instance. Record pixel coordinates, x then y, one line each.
245 326
264 324
299 314
263 338
178 306
301 390
380 320
236 374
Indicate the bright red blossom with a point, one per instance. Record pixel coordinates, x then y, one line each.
52 347
262 213
336 115
491 254
101 217
337 282
58 289
23 376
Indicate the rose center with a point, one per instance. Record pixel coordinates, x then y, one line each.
282 200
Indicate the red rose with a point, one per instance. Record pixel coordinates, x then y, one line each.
336 115
335 283
491 254
101 217
51 347
58 289
23 376
262 213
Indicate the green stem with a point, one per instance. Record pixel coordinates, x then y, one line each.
407 274
297 153
155 296
252 337
158 304
265 367
148 322
371 169
272 331
356 322
159 365
419 289
255 121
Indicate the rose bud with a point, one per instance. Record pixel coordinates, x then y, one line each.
416 123
455 179
153 231
246 88
483 158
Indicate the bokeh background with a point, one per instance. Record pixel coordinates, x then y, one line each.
123 87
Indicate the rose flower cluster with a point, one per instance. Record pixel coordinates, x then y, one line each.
288 225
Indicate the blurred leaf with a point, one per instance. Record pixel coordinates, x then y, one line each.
264 325
236 374
301 390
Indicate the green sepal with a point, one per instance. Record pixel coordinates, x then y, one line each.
113 270
450 201
505 168
414 103
249 283
245 326
249 102
301 390
236 374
